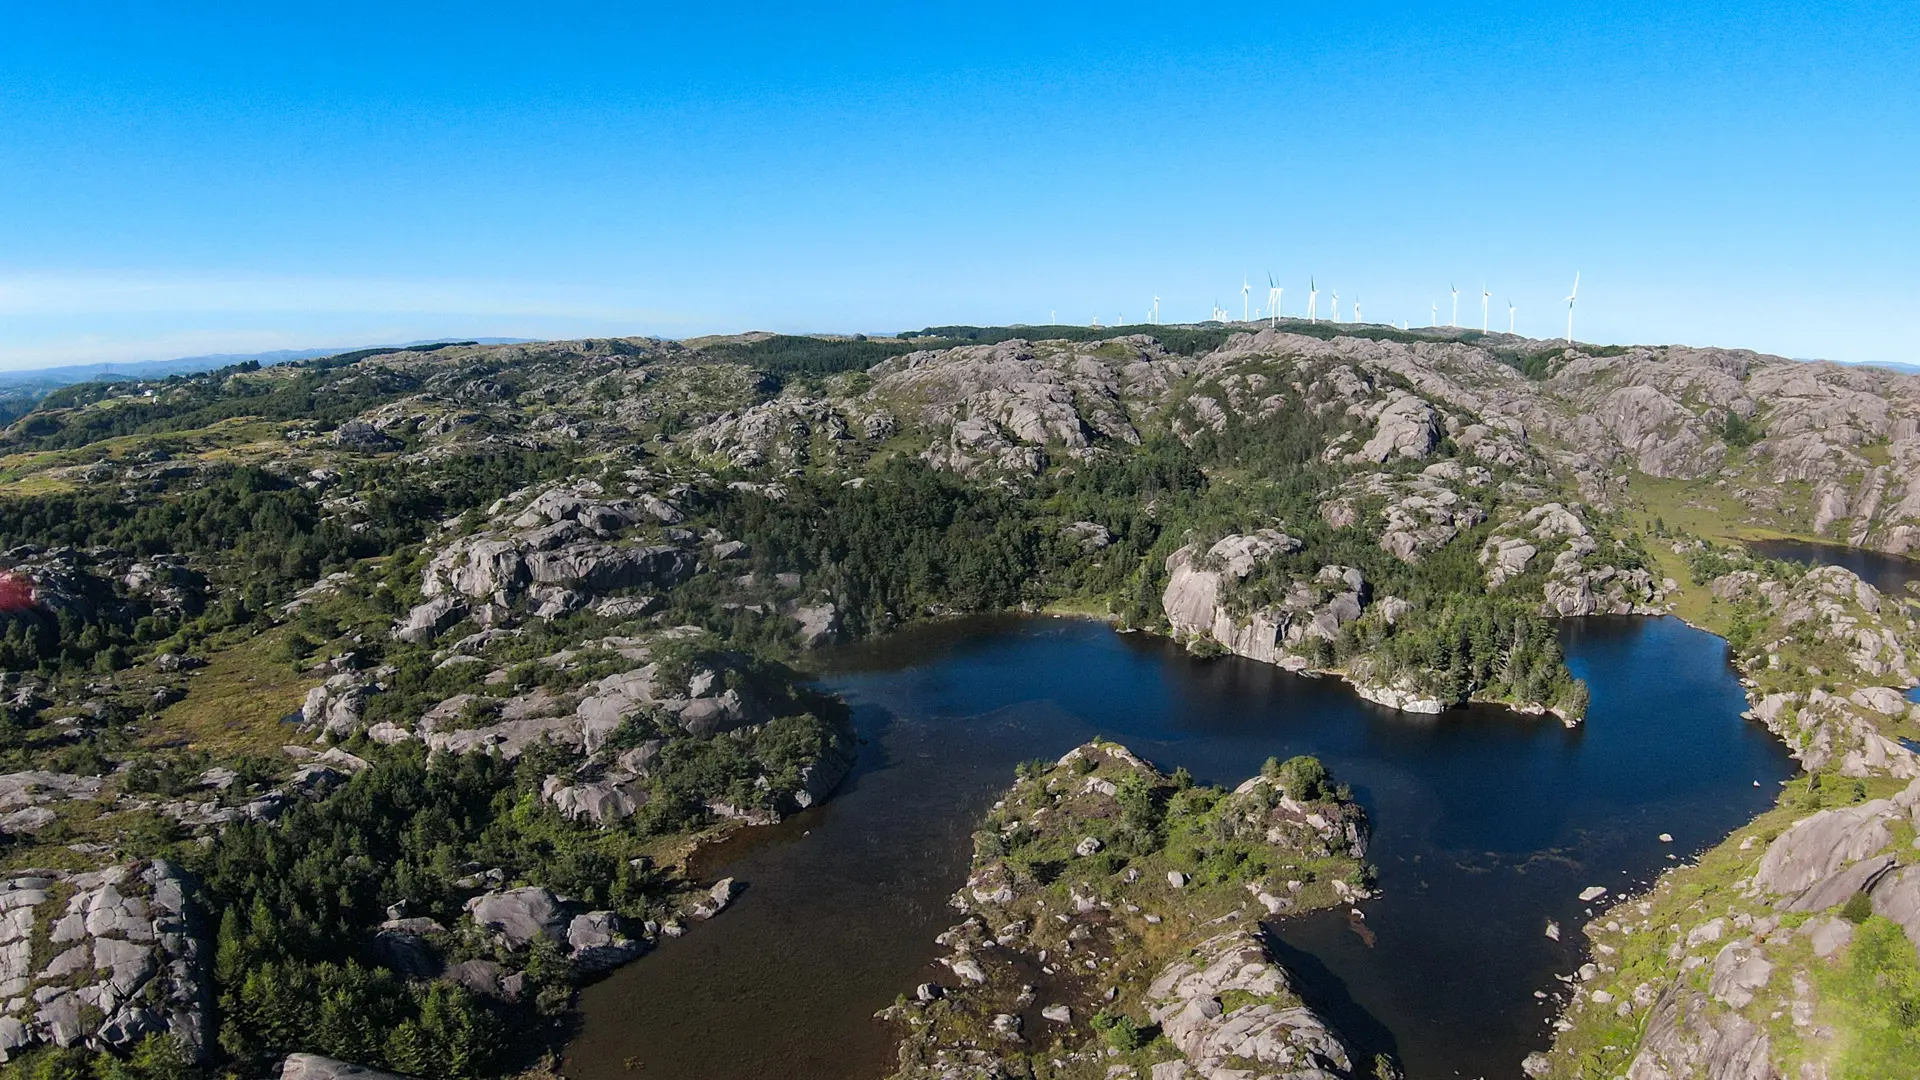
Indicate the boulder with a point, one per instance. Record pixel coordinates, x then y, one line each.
520 916
360 436
337 706
1088 536
406 953
1505 559
600 801
715 901
596 941
602 568
819 624
819 778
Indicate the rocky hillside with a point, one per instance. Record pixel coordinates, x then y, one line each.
425 669
1789 949
1112 927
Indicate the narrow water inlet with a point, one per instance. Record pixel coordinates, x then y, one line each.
1487 824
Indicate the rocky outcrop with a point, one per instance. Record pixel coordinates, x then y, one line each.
1313 609
1014 406
128 959
358 435
786 433
24 797
1813 865
1686 1038
1405 426
316 1067
1829 604
702 707
1268 1029
597 941
816 624
559 551
518 917
1402 696
338 706
606 787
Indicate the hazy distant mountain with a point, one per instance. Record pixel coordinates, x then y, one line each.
52 378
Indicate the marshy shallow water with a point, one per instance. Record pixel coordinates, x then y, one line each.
1486 825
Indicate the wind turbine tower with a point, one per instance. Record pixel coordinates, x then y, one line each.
1434 320
1313 301
1455 320
1485 296
1336 305
1356 307
1246 297
1274 292
1509 316
1571 297
1156 311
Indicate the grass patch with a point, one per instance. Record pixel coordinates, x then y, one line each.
1874 1001
236 703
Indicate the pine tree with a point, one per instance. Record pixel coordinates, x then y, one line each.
230 954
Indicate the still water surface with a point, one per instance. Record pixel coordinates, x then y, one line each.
1486 825
1888 573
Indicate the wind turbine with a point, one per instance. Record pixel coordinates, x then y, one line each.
1356 307
1156 311
1246 297
1274 293
1313 300
1484 297
1435 320
1509 316
1455 320
1336 305
1571 297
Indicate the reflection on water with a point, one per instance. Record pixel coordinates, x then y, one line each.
1486 825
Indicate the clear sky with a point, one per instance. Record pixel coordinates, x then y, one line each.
237 178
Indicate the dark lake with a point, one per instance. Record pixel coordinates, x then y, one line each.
1486 825
1888 573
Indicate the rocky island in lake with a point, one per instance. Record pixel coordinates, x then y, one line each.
1112 921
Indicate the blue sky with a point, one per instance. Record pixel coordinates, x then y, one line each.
243 178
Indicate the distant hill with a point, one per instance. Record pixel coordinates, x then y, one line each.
52 378
21 390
